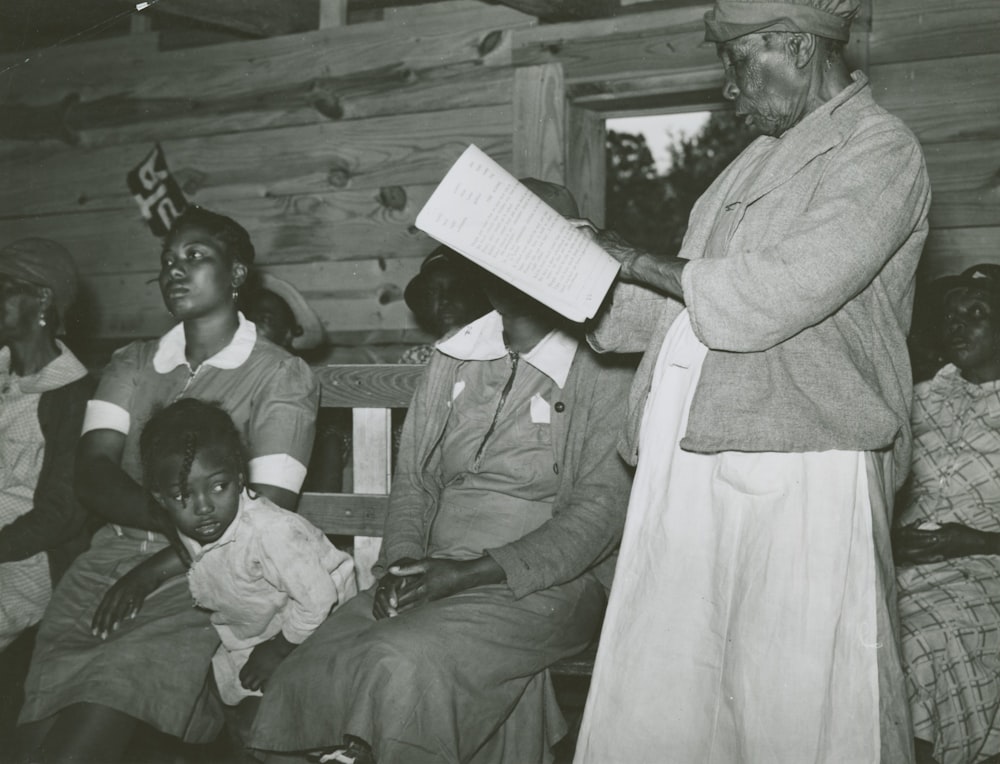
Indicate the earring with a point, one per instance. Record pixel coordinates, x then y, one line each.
236 294
41 320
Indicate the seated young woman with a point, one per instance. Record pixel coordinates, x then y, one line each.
947 540
507 503
84 694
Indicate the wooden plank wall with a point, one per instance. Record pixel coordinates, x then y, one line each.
326 143
323 144
934 64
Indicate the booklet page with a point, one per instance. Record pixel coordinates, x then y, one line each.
482 211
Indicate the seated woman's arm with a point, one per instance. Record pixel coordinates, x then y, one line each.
106 490
917 546
281 432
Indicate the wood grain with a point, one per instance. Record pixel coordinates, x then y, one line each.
965 179
950 99
345 514
952 250
911 30
539 123
396 150
368 385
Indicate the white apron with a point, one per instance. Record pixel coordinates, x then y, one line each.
741 626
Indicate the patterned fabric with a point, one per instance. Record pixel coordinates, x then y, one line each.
271 572
950 610
25 585
417 355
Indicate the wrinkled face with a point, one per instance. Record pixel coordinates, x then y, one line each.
20 307
197 274
763 82
212 494
971 334
274 319
449 301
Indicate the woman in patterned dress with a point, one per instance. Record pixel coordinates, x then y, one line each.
947 542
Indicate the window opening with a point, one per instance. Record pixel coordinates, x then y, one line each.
657 167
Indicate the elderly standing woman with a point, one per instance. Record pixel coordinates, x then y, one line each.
947 542
43 393
751 617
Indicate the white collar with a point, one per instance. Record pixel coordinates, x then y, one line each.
482 340
60 371
170 353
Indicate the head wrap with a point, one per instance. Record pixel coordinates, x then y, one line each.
45 263
730 19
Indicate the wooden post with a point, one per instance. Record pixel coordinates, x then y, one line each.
540 123
586 168
372 474
332 13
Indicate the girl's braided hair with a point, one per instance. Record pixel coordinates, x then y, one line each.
184 427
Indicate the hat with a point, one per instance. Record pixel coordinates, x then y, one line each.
730 19
557 197
984 277
441 257
312 328
42 262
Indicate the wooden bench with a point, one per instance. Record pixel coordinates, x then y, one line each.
371 391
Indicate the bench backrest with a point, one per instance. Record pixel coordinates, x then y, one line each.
371 391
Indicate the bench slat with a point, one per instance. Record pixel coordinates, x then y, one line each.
368 385
346 514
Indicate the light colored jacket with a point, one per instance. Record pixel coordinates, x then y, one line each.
588 512
803 252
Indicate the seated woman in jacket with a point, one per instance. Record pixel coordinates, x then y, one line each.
947 542
43 394
508 500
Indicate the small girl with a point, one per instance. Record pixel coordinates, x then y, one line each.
267 575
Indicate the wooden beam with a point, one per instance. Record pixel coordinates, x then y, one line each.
942 100
256 18
907 30
354 154
549 10
564 10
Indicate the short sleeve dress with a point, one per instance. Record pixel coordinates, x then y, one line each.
154 667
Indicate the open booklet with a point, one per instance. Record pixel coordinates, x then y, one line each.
483 212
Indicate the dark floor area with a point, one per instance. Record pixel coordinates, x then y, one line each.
152 747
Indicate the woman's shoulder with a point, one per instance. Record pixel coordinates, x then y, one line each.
135 357
614 369
271 360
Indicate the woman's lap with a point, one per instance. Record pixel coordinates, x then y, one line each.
152 668
950 618
473 654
